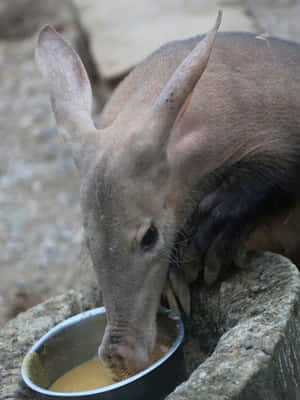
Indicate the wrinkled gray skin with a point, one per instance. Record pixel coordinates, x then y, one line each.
154 145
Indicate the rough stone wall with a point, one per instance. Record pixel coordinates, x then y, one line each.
256 315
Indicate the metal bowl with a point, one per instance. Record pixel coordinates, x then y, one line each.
76 340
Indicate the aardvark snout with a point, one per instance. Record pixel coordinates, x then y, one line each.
124 353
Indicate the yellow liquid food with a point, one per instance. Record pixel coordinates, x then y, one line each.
90 375
93 374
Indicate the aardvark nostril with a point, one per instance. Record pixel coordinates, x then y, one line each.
122 350
123 359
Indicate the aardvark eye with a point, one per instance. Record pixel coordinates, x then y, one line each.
150 238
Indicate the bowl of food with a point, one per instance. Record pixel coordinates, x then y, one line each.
63 364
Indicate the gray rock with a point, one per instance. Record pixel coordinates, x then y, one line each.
22 18
34 165
277 17
256 333
122 33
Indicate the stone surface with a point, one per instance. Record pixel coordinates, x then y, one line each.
277 17
248 326
254 319
22 18
40 222
123 33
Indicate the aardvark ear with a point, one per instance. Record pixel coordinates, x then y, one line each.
70 89
175 96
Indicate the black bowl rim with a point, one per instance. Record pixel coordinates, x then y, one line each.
84 315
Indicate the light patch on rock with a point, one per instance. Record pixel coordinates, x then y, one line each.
122 33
